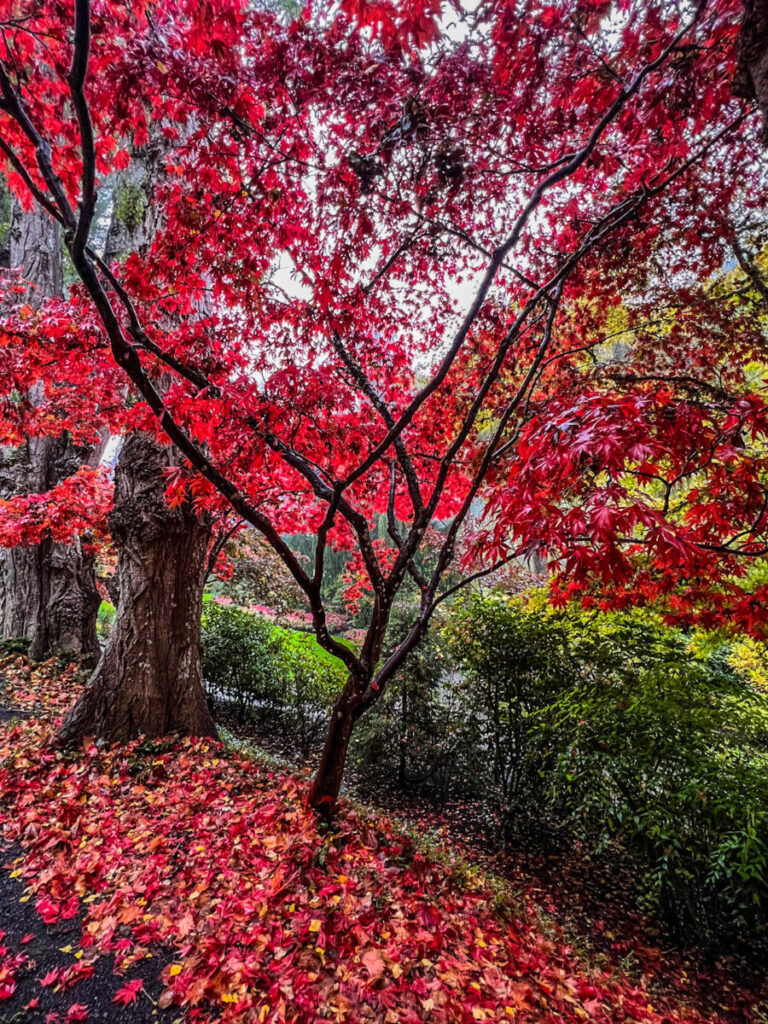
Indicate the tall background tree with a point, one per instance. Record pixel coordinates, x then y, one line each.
149 678
48 593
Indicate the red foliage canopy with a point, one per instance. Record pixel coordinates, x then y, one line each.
451 262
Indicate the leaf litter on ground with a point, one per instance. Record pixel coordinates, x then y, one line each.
262 913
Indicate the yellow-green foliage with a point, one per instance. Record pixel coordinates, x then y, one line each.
750 659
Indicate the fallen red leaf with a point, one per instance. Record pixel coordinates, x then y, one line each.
129 992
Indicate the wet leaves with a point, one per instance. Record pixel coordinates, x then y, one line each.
215 857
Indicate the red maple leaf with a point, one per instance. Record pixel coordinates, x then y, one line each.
129 992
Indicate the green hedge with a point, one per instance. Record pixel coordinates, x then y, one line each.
268 673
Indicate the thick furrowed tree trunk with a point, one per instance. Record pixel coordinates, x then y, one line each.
70 603
149 678
48 597
35 249
48 593
324 791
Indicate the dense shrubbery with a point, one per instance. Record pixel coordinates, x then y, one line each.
240 662
666 749
629 733
457 722
516 663
268 673
419 737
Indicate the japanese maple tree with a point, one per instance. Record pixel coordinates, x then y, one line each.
410 224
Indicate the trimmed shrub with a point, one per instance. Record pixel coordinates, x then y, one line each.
311 678
268 673
241 662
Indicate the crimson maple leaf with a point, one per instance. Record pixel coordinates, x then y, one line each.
129 992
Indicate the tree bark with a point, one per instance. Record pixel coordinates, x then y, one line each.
751 81
324 791
149 678
135 216
36 252
48 593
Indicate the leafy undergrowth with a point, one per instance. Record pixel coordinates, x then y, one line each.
259 913
591 897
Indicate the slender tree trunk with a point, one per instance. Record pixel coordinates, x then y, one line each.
48 593
324 791
403 754
354 699
149 678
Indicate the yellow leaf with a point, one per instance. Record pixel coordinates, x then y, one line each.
16 873
314 925
65 949
175 969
